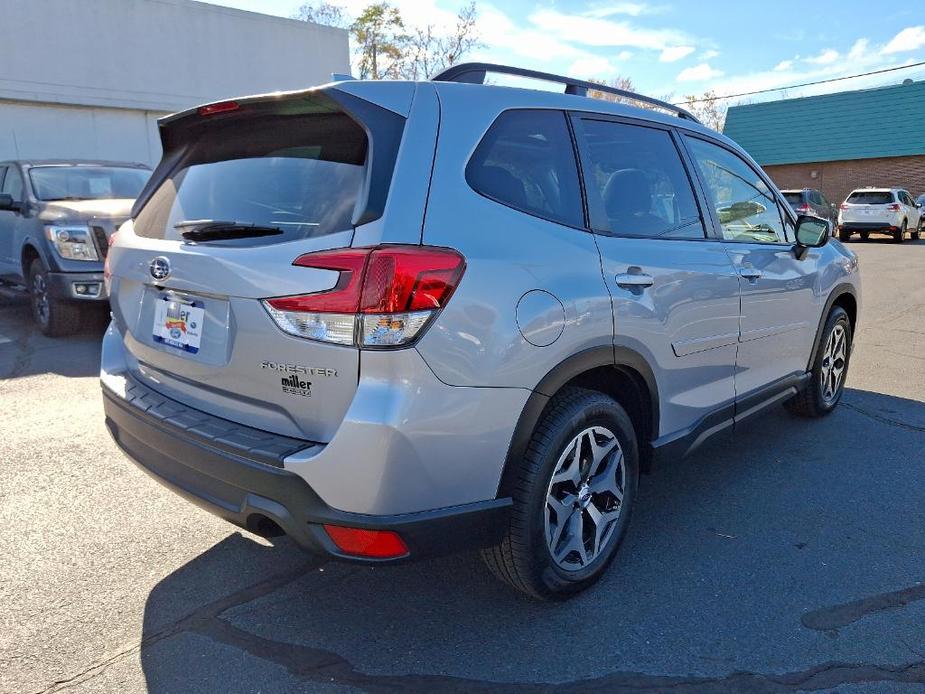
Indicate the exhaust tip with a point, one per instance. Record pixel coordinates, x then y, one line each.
263 526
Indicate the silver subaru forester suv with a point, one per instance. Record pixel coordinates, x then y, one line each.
398 319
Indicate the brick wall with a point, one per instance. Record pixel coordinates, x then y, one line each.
838 178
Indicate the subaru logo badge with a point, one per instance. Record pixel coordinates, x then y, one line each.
160 268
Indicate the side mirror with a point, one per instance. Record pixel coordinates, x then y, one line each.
8 204
811 232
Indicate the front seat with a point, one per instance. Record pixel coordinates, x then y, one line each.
628 201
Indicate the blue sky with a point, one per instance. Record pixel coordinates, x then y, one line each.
675 48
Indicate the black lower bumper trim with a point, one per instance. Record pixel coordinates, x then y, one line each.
868 227
61 284
245 491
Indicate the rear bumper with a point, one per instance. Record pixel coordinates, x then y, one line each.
237 474
67 286
885 227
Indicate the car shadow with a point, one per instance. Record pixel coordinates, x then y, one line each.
25 351
726 551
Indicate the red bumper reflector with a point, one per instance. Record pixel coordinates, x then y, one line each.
376 544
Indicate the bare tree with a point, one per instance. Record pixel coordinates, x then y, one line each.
427 51
709 108
324 13
624 83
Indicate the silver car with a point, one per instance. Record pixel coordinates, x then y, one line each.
398 319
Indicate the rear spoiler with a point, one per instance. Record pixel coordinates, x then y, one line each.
384 129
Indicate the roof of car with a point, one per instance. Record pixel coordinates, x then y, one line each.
78 162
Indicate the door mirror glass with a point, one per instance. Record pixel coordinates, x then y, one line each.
812 232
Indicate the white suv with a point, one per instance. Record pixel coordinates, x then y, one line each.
881 211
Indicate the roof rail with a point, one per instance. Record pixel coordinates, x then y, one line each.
475 73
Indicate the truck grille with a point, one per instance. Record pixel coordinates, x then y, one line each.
102 242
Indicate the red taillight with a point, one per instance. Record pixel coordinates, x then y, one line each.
344 297
220 107
391 291
409 279
843 206
894 207
804 209
375 544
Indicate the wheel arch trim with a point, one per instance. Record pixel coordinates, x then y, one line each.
839 291
581 362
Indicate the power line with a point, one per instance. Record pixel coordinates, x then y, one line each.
805 84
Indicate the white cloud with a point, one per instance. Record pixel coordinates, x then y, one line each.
623 56
909 39
858 49
709 55
673 53
827 57
633 9
783 66
698 73
592 67
591 31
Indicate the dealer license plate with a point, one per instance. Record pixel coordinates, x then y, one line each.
178 323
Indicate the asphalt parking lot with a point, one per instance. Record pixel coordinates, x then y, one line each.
789 558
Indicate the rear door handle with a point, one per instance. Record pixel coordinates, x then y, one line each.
750 273
629 280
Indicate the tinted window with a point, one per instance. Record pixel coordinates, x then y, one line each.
87 182
12 184
745 206
526 161
868 197
299 176
636 181
795 199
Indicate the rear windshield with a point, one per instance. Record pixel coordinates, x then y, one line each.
292 176
87 182
794 198
869 197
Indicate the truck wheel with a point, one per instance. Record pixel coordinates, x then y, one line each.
55 318
572 498
843 235
865 235
900 236
918 229
830 368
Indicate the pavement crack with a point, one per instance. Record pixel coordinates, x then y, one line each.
844 614
191 622
884 420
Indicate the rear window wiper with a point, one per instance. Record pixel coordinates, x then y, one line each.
219 230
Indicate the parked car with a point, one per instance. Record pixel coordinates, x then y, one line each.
55 221
920 201
811 202
398 319
880 211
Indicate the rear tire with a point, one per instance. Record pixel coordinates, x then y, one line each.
563 534
830 369
843 235
900 236
865 235
54 318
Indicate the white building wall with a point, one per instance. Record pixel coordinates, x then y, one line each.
89 78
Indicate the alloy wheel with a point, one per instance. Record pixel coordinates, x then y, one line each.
834 361
585 498
40 301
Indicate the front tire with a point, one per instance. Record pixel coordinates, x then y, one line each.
830 369
573 496
53 317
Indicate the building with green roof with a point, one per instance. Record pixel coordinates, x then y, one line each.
838 142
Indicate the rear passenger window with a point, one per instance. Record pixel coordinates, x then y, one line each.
526 161
636 183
